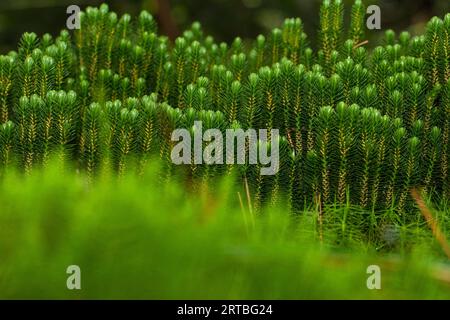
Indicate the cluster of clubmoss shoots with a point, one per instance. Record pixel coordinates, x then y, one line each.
357 126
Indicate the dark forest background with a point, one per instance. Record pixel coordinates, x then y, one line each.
223 19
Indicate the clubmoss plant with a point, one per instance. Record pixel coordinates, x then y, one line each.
357 124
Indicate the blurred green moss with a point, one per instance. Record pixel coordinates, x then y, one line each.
136 238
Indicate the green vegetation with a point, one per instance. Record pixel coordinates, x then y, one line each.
132 241
359 129
111 94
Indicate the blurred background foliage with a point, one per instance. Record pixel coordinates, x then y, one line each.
223 19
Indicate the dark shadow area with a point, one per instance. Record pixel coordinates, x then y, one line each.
223 19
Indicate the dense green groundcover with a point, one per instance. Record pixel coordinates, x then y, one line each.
137 238
86 176
359 125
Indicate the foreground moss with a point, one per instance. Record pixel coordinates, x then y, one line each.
139 238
